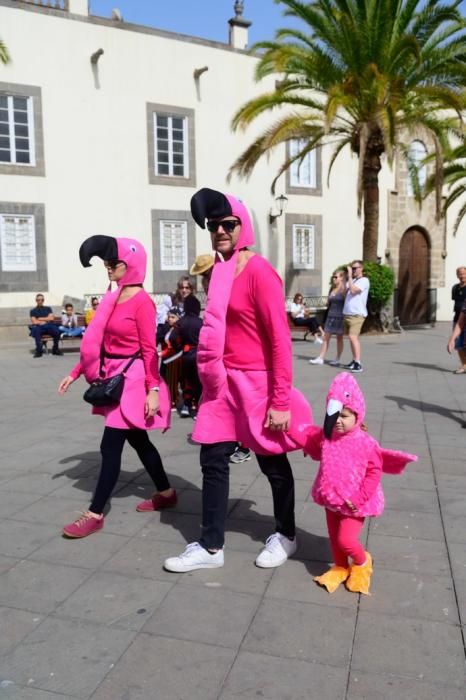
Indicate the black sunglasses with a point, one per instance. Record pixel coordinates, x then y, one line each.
356 268
112 264
228 226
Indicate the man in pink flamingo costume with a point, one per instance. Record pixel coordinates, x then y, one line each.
245 366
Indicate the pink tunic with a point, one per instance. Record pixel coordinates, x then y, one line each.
131 327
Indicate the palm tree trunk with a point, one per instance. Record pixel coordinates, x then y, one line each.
370 185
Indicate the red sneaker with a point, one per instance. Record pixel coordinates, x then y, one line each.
158 502
84 526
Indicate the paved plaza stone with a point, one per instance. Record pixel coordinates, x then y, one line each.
99 618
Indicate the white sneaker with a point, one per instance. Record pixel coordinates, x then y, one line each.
316 361
194 557
318 340
184 411
276 551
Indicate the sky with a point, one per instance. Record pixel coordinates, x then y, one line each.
204 18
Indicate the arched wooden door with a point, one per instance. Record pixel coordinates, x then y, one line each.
413 277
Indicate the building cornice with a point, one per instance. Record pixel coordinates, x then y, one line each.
121 26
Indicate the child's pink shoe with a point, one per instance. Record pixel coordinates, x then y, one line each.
84 526
158 502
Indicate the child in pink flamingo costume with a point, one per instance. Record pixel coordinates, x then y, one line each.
348 484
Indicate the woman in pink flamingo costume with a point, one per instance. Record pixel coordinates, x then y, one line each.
348 484
123 327
245 366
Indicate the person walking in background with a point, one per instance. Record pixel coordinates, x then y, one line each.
458 295
334 320
245 365
355 311
42 323
188 329
301 317
121 338
69 323
90 313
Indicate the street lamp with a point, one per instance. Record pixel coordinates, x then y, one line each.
281 203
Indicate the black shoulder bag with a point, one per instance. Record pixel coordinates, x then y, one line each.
107 392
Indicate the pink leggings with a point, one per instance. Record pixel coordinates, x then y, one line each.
344 531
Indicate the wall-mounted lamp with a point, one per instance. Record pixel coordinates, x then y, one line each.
281 203
387 253
96 55
443 254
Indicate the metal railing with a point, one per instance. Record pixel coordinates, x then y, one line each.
49 4
312 302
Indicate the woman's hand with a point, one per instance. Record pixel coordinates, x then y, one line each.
152 404
65 384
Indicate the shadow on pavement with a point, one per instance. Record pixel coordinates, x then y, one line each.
423 365
428 408
313 550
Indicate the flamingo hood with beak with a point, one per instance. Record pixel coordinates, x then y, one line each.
132 253
210 204
344 457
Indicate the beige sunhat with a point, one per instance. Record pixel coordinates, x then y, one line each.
202 264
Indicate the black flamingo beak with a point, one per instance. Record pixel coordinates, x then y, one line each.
104 247
334 408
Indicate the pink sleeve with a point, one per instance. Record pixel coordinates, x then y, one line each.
370 482
309 438
145 323
274 326
76 371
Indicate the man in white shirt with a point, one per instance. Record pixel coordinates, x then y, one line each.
355 311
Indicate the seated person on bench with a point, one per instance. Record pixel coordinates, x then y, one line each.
42 323
69 323
301 317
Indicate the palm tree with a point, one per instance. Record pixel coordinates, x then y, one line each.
363 74
454 177
4 55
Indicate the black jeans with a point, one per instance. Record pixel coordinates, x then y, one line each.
111 447
216 471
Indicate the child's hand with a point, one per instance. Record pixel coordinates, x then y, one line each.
351 506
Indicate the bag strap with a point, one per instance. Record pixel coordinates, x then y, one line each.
134 357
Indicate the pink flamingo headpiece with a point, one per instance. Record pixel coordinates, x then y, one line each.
344 391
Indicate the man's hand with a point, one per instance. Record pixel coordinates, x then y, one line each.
277 420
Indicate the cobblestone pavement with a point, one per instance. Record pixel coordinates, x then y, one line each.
99 618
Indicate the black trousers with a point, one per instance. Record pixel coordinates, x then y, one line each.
310 323
111 447
215 485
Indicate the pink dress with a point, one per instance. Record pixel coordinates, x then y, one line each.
131 327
